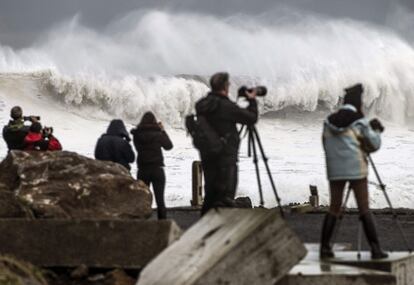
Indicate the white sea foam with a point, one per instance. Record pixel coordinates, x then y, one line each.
77 79
130 64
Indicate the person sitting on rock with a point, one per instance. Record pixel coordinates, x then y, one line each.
39 139
15 131
115 145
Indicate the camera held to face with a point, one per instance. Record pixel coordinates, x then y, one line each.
30 118
47 131
261 91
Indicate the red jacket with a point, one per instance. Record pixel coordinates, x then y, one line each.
35 141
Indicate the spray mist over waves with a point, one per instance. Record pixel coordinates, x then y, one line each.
132 65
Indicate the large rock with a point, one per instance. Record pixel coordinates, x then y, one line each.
17 272
10 207
68 185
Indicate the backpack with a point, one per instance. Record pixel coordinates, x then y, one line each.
205 138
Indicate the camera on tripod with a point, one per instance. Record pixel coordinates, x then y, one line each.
261 91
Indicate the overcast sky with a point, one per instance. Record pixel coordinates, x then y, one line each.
21 21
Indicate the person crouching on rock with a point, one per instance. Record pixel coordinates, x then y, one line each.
115 145
347 138
41 139
149 139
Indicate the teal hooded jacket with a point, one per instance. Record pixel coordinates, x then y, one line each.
346 148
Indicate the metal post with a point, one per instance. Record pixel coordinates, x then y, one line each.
197 183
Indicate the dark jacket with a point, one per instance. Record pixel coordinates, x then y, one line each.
114 145
14 133
223 115
148 141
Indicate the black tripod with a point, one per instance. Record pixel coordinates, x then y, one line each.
253 138
387 198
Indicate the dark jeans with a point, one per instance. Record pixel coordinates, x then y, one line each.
156 177
220 182
360 189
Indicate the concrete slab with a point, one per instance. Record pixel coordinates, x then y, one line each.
336 247
312 272
95 243
228 246
400 264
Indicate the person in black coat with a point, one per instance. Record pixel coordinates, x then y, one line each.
220 172
115 145
149 140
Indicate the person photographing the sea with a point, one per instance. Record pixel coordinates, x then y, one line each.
150 138
347 139
15 131
223 115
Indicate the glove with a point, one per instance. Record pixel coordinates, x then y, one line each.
376 125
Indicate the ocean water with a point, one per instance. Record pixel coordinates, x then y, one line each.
78 79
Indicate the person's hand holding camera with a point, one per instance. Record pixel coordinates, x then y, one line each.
251 94
376 125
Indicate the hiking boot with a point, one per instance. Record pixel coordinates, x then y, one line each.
327 231
372 237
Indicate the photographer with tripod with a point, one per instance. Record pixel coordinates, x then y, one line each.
348 138
221 115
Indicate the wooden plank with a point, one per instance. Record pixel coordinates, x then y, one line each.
95 243
228 246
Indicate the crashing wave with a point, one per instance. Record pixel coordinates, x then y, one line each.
137 63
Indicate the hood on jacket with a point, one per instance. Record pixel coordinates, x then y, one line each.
353 96
341 120
142 133
117 128
209 103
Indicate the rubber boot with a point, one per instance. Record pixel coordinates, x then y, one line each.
372 237
327 231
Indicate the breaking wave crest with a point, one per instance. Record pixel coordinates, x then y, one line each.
135 64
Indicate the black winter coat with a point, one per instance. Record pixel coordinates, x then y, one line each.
148 141
223 115
114 145
14 134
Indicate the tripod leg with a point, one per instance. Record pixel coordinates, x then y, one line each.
269 173
255 161
387 198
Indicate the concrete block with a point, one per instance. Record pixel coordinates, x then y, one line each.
228 246
310 272
95 243
399 264
336 246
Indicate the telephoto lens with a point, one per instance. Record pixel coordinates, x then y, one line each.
260 91
29 118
